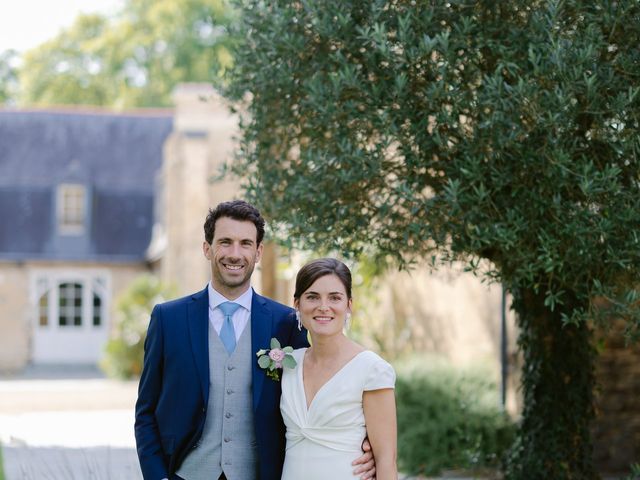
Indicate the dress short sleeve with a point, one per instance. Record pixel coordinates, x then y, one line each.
380 375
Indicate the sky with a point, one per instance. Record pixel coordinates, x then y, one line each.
25 24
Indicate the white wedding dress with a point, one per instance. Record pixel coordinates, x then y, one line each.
323 440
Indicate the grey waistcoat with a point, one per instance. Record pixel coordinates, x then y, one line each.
228 440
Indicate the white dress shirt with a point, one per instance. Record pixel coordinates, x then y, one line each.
240 317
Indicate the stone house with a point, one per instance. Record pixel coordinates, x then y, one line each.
76 202
91 199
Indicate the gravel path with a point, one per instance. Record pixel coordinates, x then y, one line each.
68 429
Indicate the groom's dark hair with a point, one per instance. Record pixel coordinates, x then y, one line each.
237 210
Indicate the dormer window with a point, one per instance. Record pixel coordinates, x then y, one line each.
71 209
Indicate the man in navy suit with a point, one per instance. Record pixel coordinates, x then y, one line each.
205 409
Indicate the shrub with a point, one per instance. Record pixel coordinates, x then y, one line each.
449 419
124 352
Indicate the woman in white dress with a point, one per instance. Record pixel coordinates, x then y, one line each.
339 393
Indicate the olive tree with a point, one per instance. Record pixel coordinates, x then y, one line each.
496 133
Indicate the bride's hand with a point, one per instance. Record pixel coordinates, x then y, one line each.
366 465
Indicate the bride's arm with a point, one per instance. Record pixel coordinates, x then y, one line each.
380 418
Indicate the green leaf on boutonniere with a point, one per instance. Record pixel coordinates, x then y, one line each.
289 362
264 361
275 343
287 349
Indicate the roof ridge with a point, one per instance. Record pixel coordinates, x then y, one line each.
160 112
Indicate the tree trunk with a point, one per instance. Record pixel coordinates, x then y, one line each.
554 440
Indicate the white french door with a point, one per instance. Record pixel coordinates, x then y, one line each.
71 320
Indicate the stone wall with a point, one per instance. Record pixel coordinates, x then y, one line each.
446 313
14 316
617 427
201 142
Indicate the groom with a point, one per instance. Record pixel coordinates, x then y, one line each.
205 410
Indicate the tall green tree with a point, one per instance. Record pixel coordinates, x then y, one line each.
499 131
133 59
8 75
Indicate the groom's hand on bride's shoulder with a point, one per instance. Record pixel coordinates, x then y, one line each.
365 464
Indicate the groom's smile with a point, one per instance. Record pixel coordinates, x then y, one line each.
233 268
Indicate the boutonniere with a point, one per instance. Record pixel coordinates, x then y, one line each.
275 358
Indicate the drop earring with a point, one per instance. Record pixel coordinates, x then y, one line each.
347 321
298 319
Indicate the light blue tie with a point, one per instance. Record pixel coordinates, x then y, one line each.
227 332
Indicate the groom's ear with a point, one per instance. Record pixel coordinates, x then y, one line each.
259 250
206 249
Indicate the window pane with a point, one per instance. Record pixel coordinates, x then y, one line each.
70 304
43 308
97 310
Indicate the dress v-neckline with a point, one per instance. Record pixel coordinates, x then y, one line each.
308 404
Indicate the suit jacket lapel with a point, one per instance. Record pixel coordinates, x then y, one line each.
198 320
261 320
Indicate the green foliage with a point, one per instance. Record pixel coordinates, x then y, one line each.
8 75
499 131
124 352
449 419
1 464
635 472
135 59
474 131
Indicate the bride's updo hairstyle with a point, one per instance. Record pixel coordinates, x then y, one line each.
315 269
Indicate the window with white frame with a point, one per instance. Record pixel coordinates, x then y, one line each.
71 208
67 302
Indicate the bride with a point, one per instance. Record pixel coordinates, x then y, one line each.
338 393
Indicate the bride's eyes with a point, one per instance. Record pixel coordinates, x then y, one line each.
332 298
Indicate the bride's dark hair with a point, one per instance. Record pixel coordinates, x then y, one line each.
319 268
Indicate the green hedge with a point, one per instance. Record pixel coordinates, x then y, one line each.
449 419
124 351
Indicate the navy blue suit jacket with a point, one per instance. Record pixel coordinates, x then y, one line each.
174 386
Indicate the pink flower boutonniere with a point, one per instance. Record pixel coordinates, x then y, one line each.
275 358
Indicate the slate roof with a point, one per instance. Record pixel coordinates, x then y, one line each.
116 156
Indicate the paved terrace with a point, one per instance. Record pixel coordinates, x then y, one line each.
67 426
